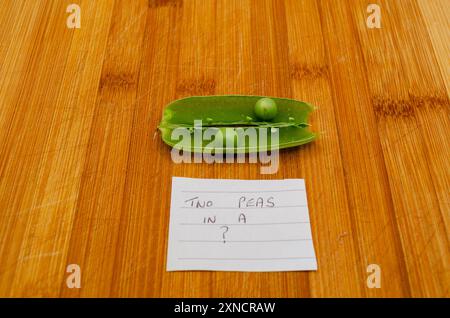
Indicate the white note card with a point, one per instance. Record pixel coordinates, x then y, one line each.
240 225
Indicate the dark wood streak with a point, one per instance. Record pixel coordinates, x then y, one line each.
404 108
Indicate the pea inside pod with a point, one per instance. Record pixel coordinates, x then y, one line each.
288 117
266 108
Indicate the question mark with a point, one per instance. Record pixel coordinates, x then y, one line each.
226 230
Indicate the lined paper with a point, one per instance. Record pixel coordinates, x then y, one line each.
239 225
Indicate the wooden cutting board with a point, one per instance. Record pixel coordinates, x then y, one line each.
85 178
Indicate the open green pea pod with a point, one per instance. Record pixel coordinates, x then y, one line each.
237 124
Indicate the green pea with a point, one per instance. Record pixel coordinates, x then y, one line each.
266 108
289 116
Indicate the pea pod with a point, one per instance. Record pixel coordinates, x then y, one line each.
231 113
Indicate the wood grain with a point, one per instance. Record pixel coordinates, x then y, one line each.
85 178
